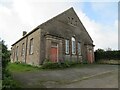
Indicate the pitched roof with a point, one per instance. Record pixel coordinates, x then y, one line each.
56 17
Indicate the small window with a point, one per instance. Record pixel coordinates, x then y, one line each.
17 51
23 50
67 46
31 46
79 48
73 46
12 53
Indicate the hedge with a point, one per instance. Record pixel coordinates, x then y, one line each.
107 55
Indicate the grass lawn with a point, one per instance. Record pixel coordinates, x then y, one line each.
19 67
14 67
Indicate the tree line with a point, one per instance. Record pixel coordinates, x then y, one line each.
101 54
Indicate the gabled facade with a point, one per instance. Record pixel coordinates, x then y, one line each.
61 38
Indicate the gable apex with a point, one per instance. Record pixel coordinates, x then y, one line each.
69 16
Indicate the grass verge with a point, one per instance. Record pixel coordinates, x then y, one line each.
19 67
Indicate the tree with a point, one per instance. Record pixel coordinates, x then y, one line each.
7 81
109 54
5 53
99 54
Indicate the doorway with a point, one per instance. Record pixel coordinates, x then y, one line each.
90 56
54 52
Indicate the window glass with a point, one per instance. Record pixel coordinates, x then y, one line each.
23 49
17 51
73 46
67 46
31 46
79 48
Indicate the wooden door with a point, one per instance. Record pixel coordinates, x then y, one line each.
90 56
54 52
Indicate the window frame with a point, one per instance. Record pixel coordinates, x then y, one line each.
23 49
79 48
31 47
73 41
67 46
17 49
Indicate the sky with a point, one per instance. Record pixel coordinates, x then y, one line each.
99 18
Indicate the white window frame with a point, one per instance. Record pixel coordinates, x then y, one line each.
31 46
17 51
67 46
73 45
23 49
79 48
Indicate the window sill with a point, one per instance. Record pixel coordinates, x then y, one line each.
74 54
67 54
31 53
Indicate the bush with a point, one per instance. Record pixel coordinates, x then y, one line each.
50 65
7 81
17 62
58 65
100 54
84 62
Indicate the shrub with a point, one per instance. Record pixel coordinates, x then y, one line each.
7 81
58 65
84 62
17 62
107 55
50 65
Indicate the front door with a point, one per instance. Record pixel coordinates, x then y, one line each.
90 56
54 52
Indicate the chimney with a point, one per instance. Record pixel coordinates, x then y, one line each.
24 33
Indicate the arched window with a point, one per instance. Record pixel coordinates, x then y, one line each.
73 46
17 53
23 49
79 48
67 46
31 46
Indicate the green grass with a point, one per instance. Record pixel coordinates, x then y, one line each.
20 67
14 67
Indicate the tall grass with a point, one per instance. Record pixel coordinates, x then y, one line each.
20 67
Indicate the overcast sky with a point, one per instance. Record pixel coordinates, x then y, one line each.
99 18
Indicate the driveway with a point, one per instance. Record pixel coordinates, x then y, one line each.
91 76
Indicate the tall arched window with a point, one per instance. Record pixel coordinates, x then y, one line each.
17 52
79 48
67 46
23 49
73 46
31 46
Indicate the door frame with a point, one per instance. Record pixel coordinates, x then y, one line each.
55 47
49 39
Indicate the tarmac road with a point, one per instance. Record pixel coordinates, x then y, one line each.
91 76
